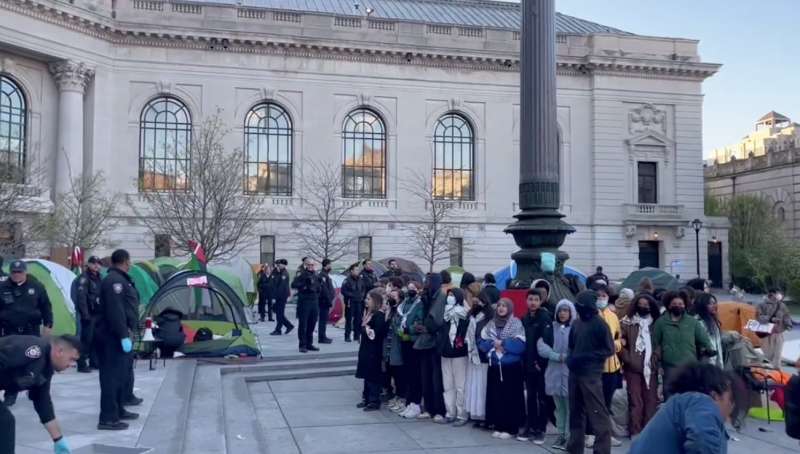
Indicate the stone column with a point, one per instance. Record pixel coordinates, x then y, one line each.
72 78
539 227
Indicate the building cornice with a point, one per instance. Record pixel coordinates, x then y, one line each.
119 33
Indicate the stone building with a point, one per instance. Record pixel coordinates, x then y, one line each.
765 163
101 83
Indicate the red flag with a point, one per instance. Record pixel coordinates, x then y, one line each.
76 260
197 251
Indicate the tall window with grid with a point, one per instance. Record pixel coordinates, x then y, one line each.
268 151
13 113
165 137
453 147
364 143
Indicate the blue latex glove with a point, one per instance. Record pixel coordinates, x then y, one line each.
127 345
61 447
548 262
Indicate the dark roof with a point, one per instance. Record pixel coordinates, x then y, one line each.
775 117
471 13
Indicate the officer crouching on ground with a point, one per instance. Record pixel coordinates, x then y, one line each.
86 297
28 363
113 342
24 309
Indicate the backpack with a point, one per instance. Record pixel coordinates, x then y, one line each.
203 334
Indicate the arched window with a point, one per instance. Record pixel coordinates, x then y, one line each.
165 140
780 212
13 112
453 145
364 143
268 150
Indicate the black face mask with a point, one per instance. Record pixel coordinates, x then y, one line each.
412 294
676 311
643 311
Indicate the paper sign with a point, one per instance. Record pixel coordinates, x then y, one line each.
200 281
756 327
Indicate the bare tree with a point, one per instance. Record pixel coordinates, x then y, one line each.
210 206
82 216
430 231
21 203
321 235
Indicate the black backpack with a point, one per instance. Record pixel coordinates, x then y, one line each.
792 407
203 334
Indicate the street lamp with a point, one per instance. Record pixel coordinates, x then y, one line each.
697 224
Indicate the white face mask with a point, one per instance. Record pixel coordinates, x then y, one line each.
602 303
451 299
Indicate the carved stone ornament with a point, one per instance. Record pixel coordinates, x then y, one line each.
647 118
630 231
71 75
165 86
454 104
364 99
8 65
268 94
680 232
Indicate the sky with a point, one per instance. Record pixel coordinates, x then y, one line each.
756 42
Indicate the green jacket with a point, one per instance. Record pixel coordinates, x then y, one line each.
679 342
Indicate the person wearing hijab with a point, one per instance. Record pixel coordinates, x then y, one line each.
452 346
503 341
480 314
554 346
639 365
590 345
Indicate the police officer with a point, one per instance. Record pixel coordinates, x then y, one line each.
326 297
393 271
307 284
113 341
265 299
86 297
280 290
24 309
368 278
28 363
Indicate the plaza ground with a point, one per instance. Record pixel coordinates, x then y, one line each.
217 408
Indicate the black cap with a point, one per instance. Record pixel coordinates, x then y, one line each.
94 259
325 262
587 299
18 266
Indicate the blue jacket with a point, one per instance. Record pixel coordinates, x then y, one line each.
688 423
514 349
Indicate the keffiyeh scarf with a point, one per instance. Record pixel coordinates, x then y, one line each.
644 344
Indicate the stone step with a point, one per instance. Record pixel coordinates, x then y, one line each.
170 411
273 366
205 426
307 356
298 374
243 432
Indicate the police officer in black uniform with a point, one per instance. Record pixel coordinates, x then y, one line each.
265 298
28 363
86 297
307 284
326 296
24 309
113 342
368 278
280 290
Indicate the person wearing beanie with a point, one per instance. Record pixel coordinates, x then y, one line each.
490 291
590 345
623 301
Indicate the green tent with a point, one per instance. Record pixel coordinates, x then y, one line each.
167 266
144 284
660 278
456 272
57 282
232 280
152 270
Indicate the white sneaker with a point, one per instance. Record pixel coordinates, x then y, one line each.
589 441
412 412
495 434
439 419
424 415
615 442
505 436
399 408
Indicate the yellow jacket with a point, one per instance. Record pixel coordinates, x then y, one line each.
612 363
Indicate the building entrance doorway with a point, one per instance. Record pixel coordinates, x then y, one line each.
715 263
648 254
